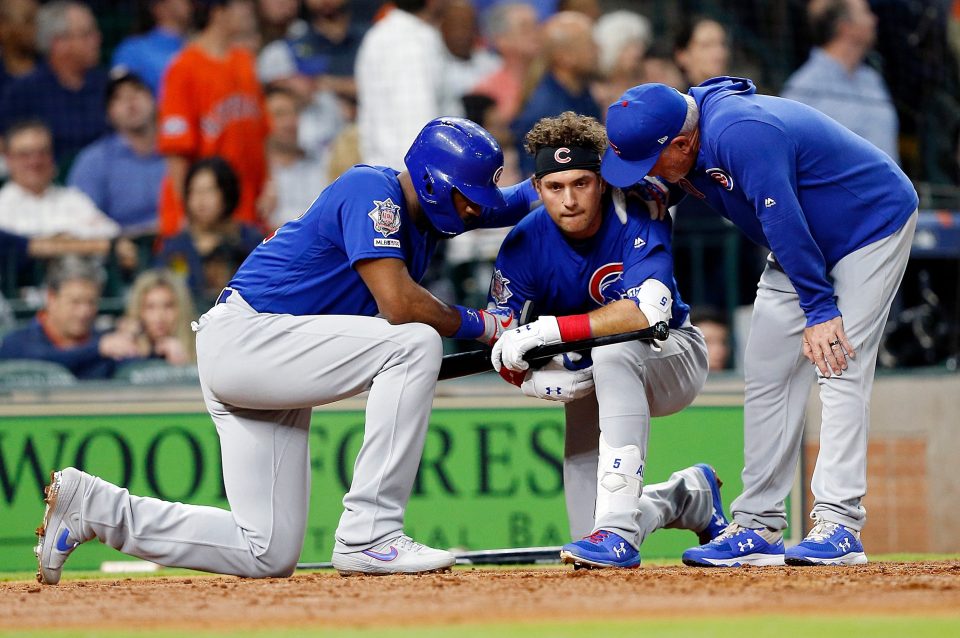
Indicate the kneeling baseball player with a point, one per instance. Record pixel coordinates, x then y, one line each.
593 275
327 307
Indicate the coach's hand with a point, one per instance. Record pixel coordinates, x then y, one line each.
654 194
509 350
566 377
826 346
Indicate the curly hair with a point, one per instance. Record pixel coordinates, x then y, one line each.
566 129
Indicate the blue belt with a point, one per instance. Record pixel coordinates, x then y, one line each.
224 295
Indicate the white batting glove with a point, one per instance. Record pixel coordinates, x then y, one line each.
562 379
509 350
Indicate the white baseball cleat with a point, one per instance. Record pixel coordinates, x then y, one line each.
60 532
399 555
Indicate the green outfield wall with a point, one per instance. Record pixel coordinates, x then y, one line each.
490 478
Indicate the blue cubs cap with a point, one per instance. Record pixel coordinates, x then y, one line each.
639 126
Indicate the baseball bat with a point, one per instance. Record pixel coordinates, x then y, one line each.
462 364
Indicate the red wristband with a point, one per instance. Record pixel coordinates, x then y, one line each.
574 327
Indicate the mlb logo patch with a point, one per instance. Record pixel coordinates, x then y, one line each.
385 216
722 177
499 288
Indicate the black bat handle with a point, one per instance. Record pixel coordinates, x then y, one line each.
659 331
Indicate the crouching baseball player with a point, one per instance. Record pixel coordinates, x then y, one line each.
324 309
839 216
595 275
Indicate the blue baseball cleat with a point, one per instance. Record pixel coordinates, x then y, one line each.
600 549
738 546
718 520
827 543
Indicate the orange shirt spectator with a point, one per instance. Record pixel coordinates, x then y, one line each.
212 106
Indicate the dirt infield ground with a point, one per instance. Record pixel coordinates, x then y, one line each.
480 595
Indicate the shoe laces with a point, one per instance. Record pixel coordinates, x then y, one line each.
822 530
731 530
597 537
406 543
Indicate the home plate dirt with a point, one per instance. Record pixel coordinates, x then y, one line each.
482 596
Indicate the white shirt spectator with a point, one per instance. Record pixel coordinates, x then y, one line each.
297 187
400 77
463 75
60 210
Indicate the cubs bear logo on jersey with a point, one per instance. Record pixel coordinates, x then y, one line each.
385 216
722 177
606 283
499 289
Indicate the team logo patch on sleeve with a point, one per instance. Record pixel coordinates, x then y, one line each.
499 289
174 125
722 177
385 216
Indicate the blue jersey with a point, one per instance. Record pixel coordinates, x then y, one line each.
795 181
563 276
307 266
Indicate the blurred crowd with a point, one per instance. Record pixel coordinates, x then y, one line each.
147 152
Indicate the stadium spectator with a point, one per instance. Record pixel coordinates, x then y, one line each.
212 104
571 59
278 20
122 172
318 66
149 54
513 31
467 60
31 205
589 8
716 332
295 177
67 90
158 315
701 50
659 66
623 38
836 81
18 39
213 245
246 30
400 81
62 332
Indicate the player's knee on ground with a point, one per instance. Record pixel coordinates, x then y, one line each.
278 561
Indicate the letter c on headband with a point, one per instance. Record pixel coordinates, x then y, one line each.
562 155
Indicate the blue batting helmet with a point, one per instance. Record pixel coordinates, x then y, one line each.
452 153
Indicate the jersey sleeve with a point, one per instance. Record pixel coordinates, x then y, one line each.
520 198
763 159
179 131
647 252
370 220
512 284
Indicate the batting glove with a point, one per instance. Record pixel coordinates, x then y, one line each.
654 194
508 351
565 378
496 321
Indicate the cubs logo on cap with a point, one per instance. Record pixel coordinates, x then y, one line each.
639 126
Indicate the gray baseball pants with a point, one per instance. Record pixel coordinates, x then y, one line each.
778 379
261 374
634 382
